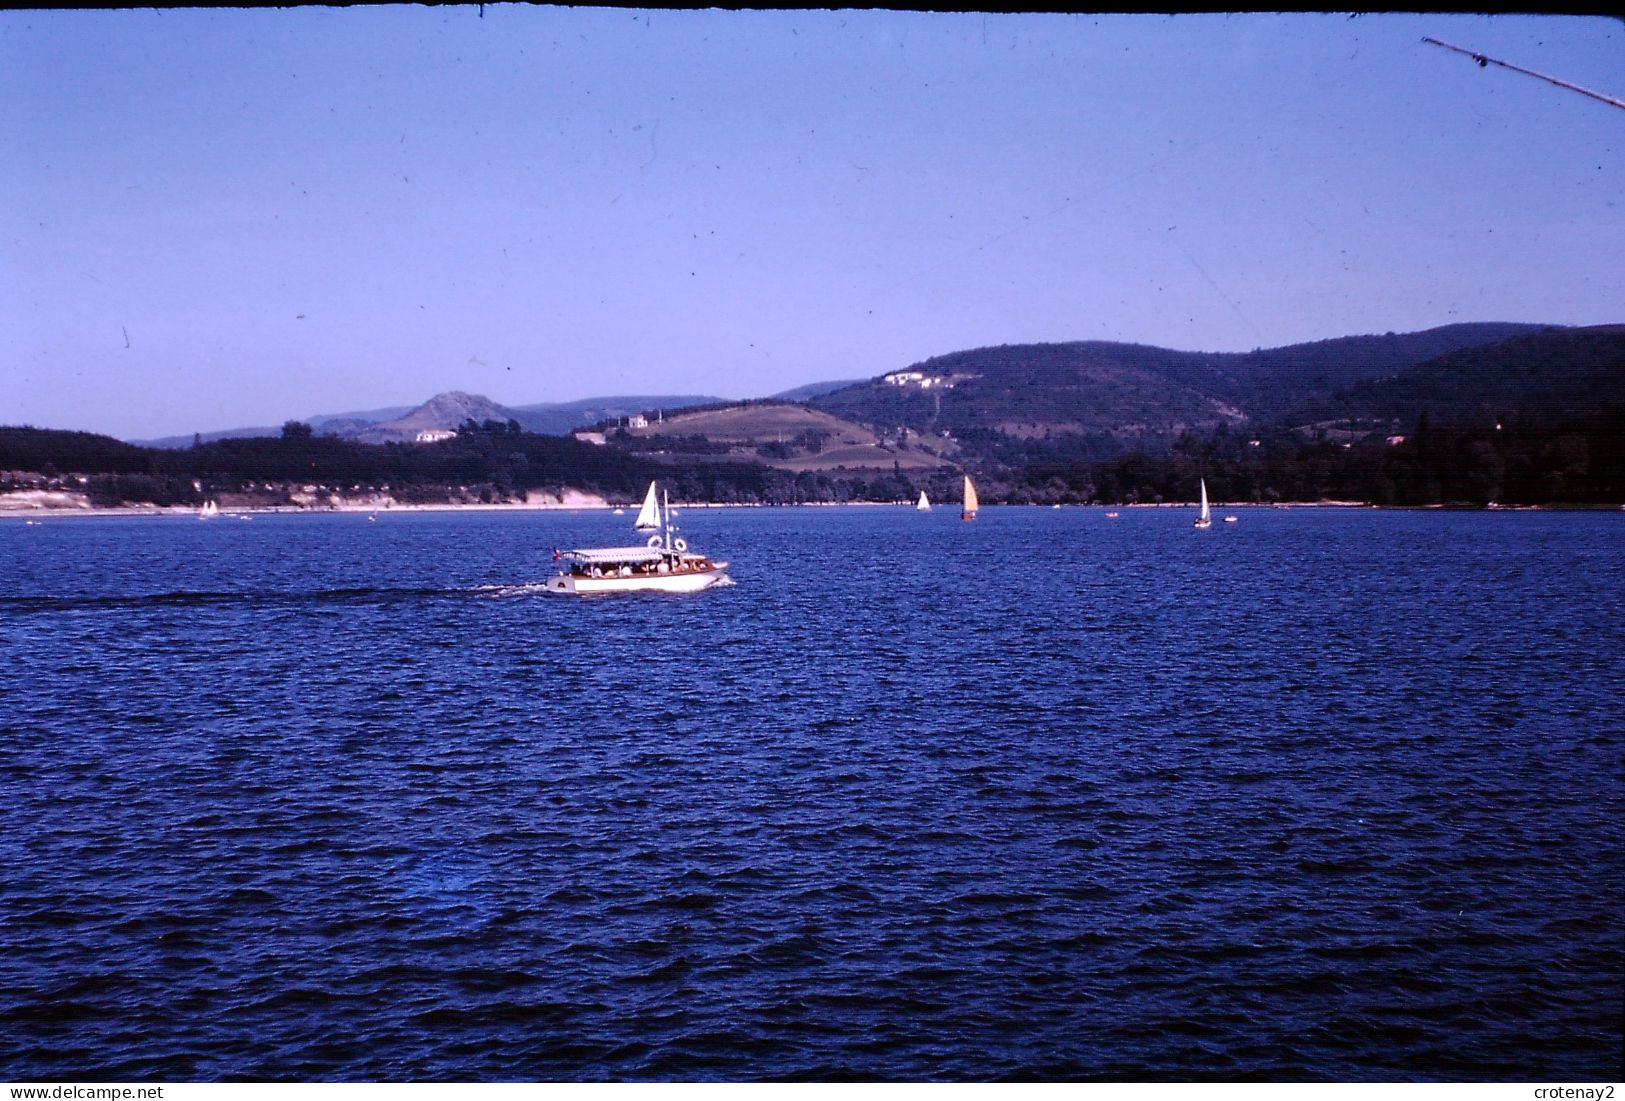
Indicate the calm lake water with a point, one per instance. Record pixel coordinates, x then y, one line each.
1322 794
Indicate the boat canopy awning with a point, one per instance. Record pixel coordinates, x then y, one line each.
600 555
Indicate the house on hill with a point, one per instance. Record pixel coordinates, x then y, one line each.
922 380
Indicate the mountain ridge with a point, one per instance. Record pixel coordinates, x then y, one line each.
550 418
1534 419
1123 394
1116 393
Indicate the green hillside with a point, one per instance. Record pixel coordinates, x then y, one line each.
1117 390
1537 417
1552 375
1267 383
783 435
1115 397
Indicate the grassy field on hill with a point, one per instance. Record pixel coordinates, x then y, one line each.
785 436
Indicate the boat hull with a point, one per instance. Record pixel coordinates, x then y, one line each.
688 581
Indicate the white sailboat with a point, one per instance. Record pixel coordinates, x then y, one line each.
1205 519
924 504
663 564
649 515
209 511
971 503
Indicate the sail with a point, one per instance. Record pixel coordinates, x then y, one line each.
649 515
925 502
970 501
1205 515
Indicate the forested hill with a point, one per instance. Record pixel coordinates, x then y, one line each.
1135 394
1554 375
1268 383
1534 418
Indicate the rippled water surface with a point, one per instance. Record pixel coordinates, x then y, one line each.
1322 794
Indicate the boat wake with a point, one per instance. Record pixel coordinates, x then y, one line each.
194 599
527 588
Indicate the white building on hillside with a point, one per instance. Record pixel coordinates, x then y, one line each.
916 378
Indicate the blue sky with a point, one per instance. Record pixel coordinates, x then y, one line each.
221 217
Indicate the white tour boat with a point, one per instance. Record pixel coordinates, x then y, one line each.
662 565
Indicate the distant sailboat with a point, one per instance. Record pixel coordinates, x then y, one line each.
649 515
1205 520
970 501
924 504
209 510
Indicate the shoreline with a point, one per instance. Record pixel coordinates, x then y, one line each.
187 511
37 512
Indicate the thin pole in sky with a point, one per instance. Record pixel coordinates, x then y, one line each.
1483 61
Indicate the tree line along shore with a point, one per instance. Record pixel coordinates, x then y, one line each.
1512 463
